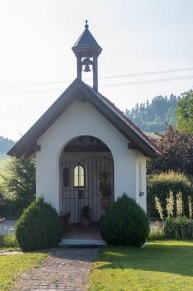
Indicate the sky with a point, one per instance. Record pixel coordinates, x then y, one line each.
147 52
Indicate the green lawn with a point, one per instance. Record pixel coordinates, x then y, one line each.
12 266
161 265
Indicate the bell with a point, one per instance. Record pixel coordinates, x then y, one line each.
87 68
87 62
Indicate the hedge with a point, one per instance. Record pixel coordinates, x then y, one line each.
161 184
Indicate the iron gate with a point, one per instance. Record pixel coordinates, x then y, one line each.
88 183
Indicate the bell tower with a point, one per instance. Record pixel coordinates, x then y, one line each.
87 50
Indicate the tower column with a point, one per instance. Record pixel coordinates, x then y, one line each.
79 67
95 73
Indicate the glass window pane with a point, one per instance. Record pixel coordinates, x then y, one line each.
79 176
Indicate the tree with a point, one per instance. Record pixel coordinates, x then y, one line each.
177 148
151 117
19 184
184 112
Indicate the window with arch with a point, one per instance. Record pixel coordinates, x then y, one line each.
79 176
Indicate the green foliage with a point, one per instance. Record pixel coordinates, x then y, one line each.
13 209
18 186
161 184
184 112
3 161
156 235
177 148
151 117
178 228
125 223
8 241
38 227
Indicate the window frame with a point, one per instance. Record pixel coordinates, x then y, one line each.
79 176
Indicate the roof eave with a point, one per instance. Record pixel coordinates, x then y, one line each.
28 141
128 132
26 146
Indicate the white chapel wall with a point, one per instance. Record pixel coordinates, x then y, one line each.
82 119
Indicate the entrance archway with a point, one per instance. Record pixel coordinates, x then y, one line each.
87 180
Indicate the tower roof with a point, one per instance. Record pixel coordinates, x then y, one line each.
86 42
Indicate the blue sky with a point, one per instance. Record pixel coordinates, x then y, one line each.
138 36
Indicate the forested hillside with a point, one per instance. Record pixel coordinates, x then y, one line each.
5 144
151 117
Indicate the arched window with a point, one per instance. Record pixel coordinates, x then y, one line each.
79 176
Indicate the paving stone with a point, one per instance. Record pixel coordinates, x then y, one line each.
65 269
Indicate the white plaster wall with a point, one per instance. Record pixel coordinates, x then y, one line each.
141 181
82 119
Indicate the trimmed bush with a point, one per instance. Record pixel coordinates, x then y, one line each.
161 184
125 223
178 228
38 227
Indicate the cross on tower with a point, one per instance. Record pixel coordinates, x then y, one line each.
86 25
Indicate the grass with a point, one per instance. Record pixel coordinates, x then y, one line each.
161 265
12 266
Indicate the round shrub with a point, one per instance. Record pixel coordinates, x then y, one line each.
161 184
125 223
38 227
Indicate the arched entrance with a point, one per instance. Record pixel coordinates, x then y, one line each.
87 180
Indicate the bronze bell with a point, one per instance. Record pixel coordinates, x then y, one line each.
87 62
87 68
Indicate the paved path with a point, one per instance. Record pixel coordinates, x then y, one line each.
65 269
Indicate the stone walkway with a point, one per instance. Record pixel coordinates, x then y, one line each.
65 269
